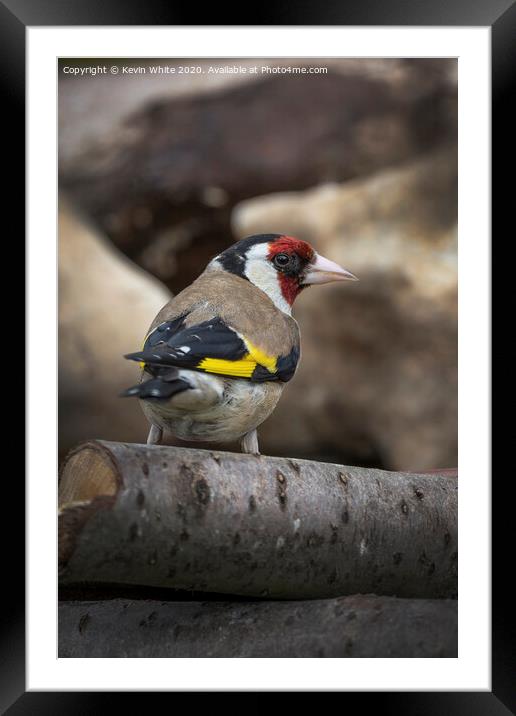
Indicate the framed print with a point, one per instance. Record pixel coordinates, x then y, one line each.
184 185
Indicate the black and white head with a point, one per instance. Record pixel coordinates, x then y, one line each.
280 265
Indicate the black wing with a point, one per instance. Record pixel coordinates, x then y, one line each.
212 347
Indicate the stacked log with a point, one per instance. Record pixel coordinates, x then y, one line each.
263 529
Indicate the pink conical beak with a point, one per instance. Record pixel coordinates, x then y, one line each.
324 271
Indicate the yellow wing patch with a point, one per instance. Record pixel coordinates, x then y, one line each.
261 357
243 367
239 368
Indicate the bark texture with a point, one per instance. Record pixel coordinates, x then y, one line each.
357 626
259 526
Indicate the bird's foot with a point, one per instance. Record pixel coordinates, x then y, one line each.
249 443
155 435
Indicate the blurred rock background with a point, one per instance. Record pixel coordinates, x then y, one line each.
158 173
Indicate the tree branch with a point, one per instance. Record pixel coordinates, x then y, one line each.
358 626
260 526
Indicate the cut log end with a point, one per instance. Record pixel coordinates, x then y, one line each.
88 472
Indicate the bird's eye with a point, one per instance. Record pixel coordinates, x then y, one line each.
281 260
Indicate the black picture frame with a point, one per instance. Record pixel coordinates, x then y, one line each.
15 17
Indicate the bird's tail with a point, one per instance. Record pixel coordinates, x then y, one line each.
164 385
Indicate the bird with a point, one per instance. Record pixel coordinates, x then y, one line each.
217 356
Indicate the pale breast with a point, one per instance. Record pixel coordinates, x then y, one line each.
216 409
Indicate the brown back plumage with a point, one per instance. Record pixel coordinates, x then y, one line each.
241 305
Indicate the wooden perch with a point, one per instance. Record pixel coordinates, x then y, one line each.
358 626
261 526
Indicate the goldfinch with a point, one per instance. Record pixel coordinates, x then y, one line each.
217 356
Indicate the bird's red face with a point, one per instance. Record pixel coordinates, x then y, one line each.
298 265
290 257
280 265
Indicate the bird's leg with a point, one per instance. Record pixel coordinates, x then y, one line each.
249 443
155 435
